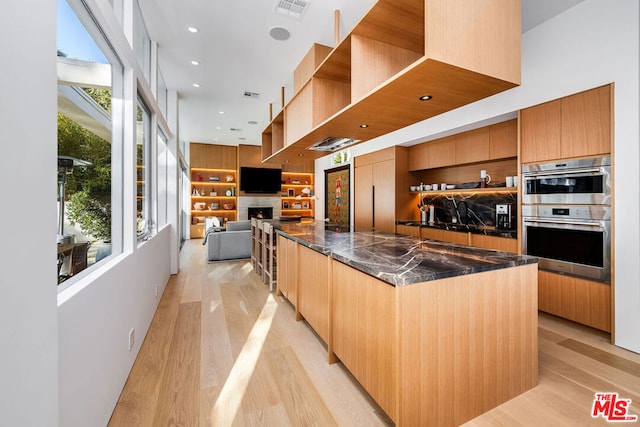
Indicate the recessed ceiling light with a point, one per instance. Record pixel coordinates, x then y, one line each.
279 33
242 138
364 126
194 62
192 29
218 127
425 97
252 122
221 112
196 85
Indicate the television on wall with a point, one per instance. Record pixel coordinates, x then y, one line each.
260 180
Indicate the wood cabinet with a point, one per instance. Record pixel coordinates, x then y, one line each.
408 230
575 126
380 185
472 146
583 301
212 156
376 74
497 243
503 140
490 143
458 237
313 291
461 237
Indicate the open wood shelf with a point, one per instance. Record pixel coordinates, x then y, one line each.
398 52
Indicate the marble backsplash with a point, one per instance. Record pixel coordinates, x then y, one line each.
468 208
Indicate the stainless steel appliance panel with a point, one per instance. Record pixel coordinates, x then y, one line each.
573 240
583 181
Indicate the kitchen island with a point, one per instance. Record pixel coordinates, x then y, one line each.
437 333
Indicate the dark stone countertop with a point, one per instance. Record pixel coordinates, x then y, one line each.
471 228
395 259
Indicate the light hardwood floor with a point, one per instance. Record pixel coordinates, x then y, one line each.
222 351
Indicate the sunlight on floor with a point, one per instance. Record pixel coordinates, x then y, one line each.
228 403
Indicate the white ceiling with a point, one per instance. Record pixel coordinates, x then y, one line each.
236 54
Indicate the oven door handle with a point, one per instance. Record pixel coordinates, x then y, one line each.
568 174
553 221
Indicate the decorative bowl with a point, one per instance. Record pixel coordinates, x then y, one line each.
414 188
227 206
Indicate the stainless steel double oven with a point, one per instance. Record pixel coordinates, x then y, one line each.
566 212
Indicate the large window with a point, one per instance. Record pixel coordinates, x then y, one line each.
142 43
163 175
89 78
144 167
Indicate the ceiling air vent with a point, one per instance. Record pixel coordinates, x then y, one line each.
292 8
248 94
332 143
235 129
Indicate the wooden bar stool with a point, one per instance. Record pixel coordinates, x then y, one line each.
258 248
268 255
254 236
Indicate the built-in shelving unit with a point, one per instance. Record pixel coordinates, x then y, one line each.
214 180
400 51
295 199
213 193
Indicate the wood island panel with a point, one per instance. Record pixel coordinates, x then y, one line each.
364 332
313 291
466 344
281 267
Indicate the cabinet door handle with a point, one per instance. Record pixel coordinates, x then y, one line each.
373 206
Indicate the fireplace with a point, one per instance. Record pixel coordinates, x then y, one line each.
260 212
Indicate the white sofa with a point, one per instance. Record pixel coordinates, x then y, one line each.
232 243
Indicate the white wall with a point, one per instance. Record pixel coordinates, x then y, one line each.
28 321
94 323
591 44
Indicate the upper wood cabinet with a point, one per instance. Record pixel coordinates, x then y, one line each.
575 126
472 146
586 123
213 156
455 51
442 152
495 142
503 140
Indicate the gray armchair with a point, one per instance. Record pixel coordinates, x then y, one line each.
234 243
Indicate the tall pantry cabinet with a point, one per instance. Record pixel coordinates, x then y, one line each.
379 178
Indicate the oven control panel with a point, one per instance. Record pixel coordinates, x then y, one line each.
566 211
